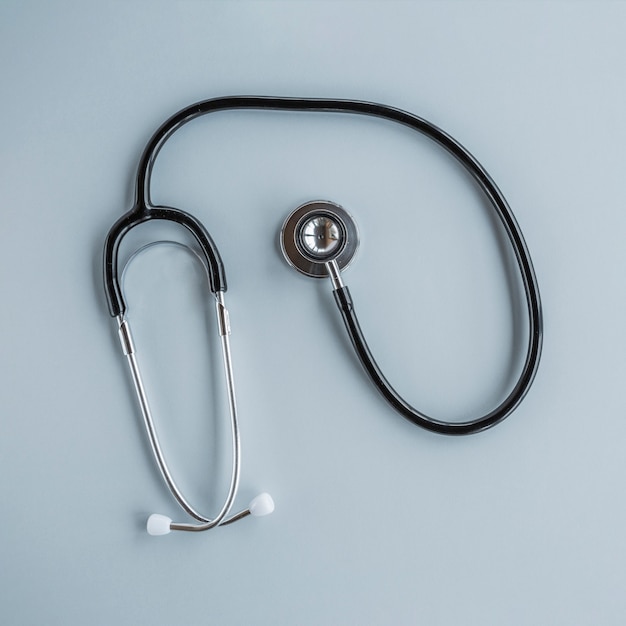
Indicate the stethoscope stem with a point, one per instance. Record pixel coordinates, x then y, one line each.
335 274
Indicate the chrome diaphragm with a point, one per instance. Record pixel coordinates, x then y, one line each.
317 233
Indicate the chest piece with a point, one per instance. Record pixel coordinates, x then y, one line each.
317 233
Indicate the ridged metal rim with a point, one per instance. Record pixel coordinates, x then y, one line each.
296 254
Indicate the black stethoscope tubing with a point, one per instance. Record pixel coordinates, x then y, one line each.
143 210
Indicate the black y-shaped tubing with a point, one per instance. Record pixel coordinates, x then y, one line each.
143 210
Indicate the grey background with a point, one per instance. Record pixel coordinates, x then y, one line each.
377 521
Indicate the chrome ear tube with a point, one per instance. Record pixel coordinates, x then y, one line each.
159 524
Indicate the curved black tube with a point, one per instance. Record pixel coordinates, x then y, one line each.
144 210
345 305
138 215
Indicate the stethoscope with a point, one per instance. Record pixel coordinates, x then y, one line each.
319 239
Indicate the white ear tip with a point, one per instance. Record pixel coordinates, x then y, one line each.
261 505
158 524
